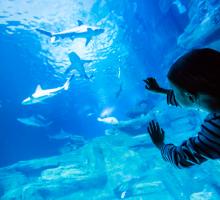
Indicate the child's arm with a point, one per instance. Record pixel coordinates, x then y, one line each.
190 152
187 154
195 150
153 86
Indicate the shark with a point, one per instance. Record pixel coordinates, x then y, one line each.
42 94
80 31
35 120
78 64
63 135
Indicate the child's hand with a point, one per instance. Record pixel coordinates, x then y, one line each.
152 85
156 133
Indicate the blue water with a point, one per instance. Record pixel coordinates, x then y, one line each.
140 39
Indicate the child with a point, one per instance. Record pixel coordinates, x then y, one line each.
195 82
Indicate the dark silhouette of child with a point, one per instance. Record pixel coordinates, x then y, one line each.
195 82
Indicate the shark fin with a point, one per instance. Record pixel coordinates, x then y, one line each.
67 83
38 89
80 23
44 32
51 35
68 70
88 40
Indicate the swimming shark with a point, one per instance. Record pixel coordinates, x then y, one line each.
78 64
40 94
63 135
35 120
80 31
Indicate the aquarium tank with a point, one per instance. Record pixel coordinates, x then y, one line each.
74 110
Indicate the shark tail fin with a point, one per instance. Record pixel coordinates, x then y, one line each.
88 39
80 23
45 32
67 83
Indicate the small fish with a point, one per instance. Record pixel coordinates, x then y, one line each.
80 31
108 120
35 120
120 89
119 73
40 94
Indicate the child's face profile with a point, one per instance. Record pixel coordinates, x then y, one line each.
183 97
200 101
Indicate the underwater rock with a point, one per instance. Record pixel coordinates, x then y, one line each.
55 176
107 168
204 26
138 187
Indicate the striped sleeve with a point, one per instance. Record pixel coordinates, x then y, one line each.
196 150
171 100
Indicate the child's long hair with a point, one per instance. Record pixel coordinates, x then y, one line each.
198 72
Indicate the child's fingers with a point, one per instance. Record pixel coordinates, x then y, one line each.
149 131
157 126
151 126
146 81
154 125
147 87
162 132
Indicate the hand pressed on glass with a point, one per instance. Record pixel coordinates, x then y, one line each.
156 133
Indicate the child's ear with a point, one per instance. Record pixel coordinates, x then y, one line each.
191 97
